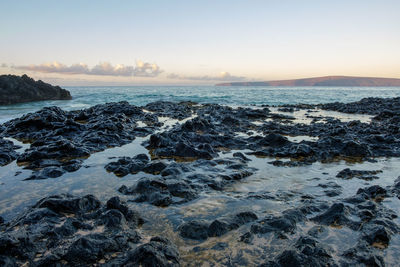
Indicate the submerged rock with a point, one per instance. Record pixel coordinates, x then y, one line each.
336 215
306 252
285 223
71 230
195 229
7 152
158 252
225 224
201 229
361 174
62 140
181 182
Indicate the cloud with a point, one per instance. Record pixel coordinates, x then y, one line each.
4 65
142 69
223 76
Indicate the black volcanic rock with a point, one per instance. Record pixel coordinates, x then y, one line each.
71 231
16 89
61 140
7 152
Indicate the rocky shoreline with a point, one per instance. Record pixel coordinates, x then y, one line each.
194 151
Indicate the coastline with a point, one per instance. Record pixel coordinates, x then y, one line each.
211 178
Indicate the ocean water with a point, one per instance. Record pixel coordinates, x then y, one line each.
84 97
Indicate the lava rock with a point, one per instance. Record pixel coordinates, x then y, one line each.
336 215
361 174
195 229
68 230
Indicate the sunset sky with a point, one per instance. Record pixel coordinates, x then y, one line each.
198 42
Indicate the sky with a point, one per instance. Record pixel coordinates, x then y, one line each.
198 42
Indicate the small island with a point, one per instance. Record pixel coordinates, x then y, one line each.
19 89
323 81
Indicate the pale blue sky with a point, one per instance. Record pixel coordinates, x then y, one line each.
199 41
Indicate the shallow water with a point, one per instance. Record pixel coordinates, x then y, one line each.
84 97
292 185
289 185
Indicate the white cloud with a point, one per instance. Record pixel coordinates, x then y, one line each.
142 69
223 76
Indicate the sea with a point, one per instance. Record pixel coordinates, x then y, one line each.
87 96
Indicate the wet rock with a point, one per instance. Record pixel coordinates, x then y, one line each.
306 252
155 167
195 229
69 204
113 219
183 151
241 156
246 238
289 163
301 150
363 255
333 192
225 224
158 252
89 249
141 162
67 230
7 152
337 216
377 235
370 105
126 165
173 110
60 138
273 140
361 174
201 230
286 109
131 216
332 189
183 182
160 191
355 149
48 172
284 223
396 187
374 192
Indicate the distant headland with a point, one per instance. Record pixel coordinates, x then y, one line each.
323 81
20 89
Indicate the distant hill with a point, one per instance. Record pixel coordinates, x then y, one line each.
323 81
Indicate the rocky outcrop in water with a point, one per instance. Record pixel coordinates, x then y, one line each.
61 140
16 89
183 182
188 161
7 151
67 230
